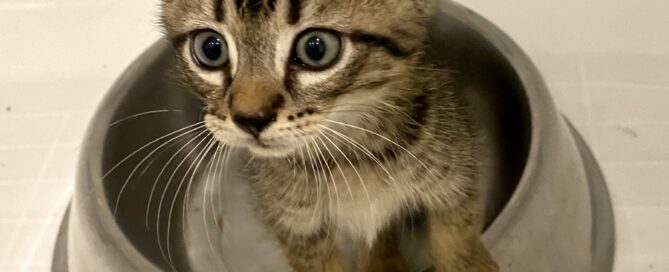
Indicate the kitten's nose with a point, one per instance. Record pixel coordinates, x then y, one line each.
254 104
255 123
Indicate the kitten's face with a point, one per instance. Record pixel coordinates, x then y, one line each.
275 73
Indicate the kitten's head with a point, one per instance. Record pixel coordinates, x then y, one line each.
276 73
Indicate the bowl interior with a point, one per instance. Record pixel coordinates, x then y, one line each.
497 103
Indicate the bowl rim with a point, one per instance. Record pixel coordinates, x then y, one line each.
536 93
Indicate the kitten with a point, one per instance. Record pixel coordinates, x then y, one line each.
353 133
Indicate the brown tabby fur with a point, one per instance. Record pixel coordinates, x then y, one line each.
356 149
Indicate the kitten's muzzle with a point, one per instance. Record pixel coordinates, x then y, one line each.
254 105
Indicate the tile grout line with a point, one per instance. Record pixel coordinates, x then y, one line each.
635 163
39 146
32 195
611 83
59 209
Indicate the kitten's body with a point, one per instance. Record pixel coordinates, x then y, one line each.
360 147
380 191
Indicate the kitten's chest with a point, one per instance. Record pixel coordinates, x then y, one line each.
366 204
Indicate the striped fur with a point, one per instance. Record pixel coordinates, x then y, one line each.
357 148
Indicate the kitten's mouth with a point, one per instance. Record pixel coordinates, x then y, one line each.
260 148
261 145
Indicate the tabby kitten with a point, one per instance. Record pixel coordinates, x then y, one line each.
353 134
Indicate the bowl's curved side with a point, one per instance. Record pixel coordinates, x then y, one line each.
603 227
144 104
550 215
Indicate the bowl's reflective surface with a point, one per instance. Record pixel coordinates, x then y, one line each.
546 206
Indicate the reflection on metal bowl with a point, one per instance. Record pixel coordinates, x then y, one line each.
546 204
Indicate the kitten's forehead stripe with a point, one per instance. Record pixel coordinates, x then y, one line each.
254 6
294 12
271 4
219 10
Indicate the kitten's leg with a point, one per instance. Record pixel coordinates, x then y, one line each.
308 253
455 244
384 256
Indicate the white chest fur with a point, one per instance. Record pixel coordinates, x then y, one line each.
369 207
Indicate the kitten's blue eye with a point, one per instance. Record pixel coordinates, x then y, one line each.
209 49
317 49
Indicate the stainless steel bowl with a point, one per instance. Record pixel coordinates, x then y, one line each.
547 207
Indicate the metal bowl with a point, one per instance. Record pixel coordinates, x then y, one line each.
546 204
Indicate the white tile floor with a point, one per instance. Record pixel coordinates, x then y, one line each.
606 61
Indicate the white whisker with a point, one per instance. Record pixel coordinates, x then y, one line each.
317 179
386 139
155 182
362 182
196 163
117 122
152 142
324 163
209 186
361 148
162 198
132 173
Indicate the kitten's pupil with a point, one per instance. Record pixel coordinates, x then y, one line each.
212 48
315 48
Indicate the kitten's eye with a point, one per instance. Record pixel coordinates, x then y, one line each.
209 49
317 49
